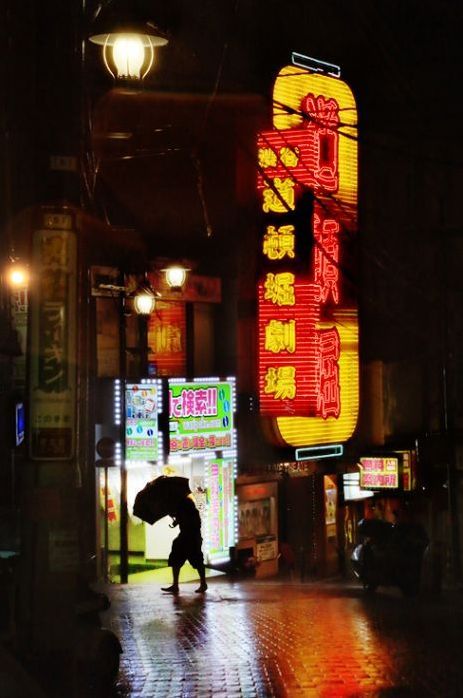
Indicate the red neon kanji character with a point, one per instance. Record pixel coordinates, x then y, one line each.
328 397
322 112
326 256
323 119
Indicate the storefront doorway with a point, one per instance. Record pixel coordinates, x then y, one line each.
130 549
212 484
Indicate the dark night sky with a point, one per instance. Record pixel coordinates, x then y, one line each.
386 47
402 59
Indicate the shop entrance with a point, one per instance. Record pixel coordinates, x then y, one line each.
130 549
211 481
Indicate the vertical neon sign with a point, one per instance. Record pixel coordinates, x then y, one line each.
308 323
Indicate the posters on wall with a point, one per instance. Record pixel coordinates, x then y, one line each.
142 440
254 518
220 479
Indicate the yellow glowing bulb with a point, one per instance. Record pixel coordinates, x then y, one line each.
144 303
175 276
17 277
128 56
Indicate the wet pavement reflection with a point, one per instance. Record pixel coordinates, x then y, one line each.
246 639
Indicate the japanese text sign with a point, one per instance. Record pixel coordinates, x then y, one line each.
167 338
53 342
220 506
201 416
307 316
379 473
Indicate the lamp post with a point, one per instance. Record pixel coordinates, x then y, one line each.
142 300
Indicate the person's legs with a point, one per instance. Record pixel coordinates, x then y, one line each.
175 574
176 559
202 578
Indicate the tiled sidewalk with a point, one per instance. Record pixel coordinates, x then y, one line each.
253 639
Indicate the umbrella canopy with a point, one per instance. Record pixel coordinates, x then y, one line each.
375 528
160 497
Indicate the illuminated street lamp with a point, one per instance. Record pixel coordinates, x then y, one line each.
17 275
129 47
175 276
144 298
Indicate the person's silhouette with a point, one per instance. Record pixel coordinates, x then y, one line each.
187 545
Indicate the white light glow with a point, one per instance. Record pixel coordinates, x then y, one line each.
17 276
128 56
144 303
175 276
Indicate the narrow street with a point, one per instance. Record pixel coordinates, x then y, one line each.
251 638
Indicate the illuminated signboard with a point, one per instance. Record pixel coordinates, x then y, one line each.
379 473
201 415
19 422
142 405
351 488
53 355
408 470
307 313
167 338
220 486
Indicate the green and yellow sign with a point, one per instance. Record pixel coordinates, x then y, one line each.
201 416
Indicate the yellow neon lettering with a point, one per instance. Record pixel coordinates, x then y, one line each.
280 336
279 243
281 197
281 382
279 288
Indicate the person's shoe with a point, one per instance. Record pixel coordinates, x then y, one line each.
170 590
201 589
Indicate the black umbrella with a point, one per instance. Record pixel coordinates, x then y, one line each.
160 498
375 528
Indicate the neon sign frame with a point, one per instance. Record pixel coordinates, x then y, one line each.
308 369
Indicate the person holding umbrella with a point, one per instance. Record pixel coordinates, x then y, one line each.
187 545
171 496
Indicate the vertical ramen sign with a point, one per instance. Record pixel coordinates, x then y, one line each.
53 340
308 318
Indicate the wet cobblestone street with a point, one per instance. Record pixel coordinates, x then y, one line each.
255 639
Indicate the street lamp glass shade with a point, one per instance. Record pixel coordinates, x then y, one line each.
175 276
144 302
128 55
